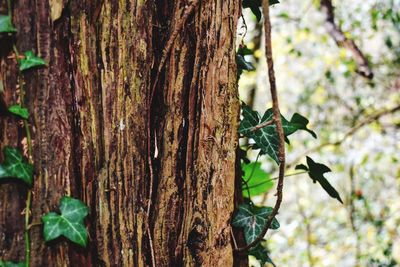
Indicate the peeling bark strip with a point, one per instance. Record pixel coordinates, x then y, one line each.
341 40
89 124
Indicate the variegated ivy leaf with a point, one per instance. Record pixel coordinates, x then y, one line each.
69 224
253 220
266 138
30 61
261 253
6 25
14 166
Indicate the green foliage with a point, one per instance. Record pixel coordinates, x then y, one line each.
6 25
30 61
69 224
14 166
241 62
255 5
253 220
261 253
266 138
245 51
257 181
11 264
297 122
19 111
316 172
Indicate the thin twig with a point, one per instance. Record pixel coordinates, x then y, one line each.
341 40
28 200
276 178
306 221
178 26
279 128
262 125
348 134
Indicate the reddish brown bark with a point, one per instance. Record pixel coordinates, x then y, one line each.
89 117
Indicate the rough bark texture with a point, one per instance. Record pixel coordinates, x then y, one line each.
89 115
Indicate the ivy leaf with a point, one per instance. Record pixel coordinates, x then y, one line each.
245 51
242 154
298 122
242 64
19 111
11 264
253 220
6 25
266 138
255 5
261 253
14 166
273 2
69 224
30 61
302 167
258 181
316 172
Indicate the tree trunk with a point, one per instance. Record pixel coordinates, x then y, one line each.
89 118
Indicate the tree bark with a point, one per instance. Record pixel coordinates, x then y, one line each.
89 122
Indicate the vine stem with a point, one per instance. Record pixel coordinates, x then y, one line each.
276 178
26 233
9 8
279 128
30 155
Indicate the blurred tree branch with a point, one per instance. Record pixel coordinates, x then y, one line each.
341 40
368 120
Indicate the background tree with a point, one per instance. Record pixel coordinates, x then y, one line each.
356 120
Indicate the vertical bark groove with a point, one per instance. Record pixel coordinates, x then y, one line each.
89 130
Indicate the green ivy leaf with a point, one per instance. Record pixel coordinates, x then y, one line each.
14 166
30 61
243 64
257 180
6 25
11 264
69 224
253 220
242 154
316 172
261 253
266 138
255 5
298 122
19 111
245 51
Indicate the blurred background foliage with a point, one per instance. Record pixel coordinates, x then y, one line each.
357 121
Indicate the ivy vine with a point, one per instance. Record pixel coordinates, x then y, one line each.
263 135
70 223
